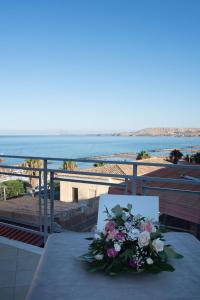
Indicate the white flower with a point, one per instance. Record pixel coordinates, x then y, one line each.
154 229
149 261
128 225
98 256
133 234
143 239
158 245
97 236
117 247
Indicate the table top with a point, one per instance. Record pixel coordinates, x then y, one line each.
61 276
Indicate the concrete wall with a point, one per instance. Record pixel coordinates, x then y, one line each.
85 191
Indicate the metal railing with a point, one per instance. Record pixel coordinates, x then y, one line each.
47 176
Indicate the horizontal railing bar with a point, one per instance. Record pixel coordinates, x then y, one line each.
89 181
66 171
67 159
89 173
20 168
176 166
19 175
22 228
173 180
169 189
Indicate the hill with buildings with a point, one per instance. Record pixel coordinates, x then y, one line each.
162 132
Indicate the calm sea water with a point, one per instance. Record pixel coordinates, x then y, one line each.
85 146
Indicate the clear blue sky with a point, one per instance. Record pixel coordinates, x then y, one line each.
99 65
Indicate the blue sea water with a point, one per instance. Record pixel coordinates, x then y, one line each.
86 146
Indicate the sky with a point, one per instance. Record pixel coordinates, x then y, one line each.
84 66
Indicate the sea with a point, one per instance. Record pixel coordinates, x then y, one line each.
71 147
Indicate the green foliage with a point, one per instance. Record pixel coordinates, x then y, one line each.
14 188
196 158
69 165
175 155
143 155
99 164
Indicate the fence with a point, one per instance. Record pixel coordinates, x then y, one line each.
47 176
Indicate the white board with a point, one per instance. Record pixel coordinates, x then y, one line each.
147 206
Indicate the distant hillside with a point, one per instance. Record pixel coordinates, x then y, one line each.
163 132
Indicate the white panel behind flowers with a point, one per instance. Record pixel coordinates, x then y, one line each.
147 206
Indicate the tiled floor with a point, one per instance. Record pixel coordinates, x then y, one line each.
17 267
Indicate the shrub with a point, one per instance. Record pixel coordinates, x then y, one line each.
69 165
175 155
99 164
14 188
196 158
143 155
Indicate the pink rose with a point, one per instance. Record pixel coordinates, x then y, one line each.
112 252
112 234
120 236
110 226
133 263
148 226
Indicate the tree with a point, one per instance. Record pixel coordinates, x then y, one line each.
14 188
33 163
187 158
69 165
196 158
143 155
175 155
99 164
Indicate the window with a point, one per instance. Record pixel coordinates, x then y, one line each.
75 194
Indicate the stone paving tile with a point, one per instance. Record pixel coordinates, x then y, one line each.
7 279
27 261
7 252
7 293
21 292
8 264
24 277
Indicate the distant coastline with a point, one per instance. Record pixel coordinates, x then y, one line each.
148 132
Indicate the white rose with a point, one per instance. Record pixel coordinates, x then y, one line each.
117 247
143 239
154 229
158 245
149 261
128 225
98 256
97 236
133 234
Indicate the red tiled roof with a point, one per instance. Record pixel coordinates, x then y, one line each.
19 234
185 206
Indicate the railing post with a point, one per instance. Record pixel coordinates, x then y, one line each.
52 199
40 201
126 187
142 187
45 174
134 179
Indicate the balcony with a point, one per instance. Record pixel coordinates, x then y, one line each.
32 220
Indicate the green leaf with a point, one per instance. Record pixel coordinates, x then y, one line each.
129 206
89 238
117 210
171 253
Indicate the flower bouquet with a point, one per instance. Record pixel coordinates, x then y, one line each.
128 243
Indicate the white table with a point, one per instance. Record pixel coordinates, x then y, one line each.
60 276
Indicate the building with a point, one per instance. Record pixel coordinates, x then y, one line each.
76 190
